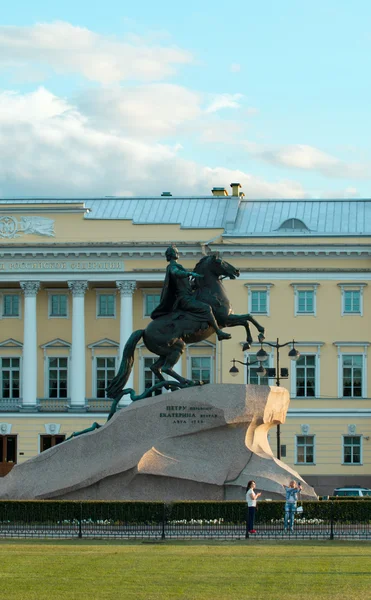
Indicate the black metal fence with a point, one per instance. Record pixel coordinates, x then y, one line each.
181 520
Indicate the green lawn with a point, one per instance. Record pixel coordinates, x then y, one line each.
190 571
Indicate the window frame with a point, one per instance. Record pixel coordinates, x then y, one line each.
1 376
149 292
352 287
258 287
360 437
305 287
95 370
3 440
53 439
294 367
211 360
47 389
305 435
63 292
268 363
363 367
10 292
105 292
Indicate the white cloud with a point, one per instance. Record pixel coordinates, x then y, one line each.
50 148
254 187
70 49
348 192
309 158
214 131
235 68
36 106
145 110
224 101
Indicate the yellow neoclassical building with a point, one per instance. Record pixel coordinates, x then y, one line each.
78 276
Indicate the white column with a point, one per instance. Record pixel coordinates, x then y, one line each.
127 289
78 370
29 367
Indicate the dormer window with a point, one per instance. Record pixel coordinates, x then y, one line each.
293 225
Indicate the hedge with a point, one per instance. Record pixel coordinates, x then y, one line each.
64 511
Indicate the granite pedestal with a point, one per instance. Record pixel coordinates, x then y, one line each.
199 443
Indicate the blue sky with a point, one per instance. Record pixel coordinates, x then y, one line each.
135 99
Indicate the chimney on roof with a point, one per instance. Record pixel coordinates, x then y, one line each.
167 194
219 191
235 187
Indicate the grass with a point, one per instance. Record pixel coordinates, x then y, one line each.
188 571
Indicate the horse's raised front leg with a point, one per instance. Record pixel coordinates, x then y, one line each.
243 321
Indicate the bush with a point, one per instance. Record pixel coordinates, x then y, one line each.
212 513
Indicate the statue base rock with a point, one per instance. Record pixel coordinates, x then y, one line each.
198 443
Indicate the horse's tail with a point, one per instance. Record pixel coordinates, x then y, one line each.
119 381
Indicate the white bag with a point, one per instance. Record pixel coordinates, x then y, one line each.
300 509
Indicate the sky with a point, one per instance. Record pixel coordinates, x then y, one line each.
133 99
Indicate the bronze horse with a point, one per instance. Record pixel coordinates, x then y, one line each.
167 336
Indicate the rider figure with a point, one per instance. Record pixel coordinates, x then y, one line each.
177 294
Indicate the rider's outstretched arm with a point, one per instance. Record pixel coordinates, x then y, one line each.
181 272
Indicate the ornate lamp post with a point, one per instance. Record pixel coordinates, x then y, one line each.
234 370
276 372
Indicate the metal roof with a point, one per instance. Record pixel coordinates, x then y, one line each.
319 217
238 217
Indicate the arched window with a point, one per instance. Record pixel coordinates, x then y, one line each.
293 225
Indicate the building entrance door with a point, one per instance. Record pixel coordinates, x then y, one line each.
8 453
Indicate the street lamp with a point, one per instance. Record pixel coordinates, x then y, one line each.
272 373
277 373
234 370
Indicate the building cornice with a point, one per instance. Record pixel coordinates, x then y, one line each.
328 412
132 248
28 209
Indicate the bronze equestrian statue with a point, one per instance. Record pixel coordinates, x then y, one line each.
185 315
177 294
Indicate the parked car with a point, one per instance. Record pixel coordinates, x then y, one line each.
354 490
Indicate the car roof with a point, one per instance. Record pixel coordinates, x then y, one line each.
349 489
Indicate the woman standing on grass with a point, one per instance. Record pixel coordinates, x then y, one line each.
251 498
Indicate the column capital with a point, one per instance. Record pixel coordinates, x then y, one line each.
78 288
30 288
127 288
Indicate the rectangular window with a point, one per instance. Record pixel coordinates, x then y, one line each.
11 305
352 301
48 441
305 449
105 372
151 302
201 368
57 373
253 376
306 376
149 377
259 301
10 377
58 305
305 301
352 449
106 305
352 375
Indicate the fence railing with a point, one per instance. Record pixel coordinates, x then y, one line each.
181 520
